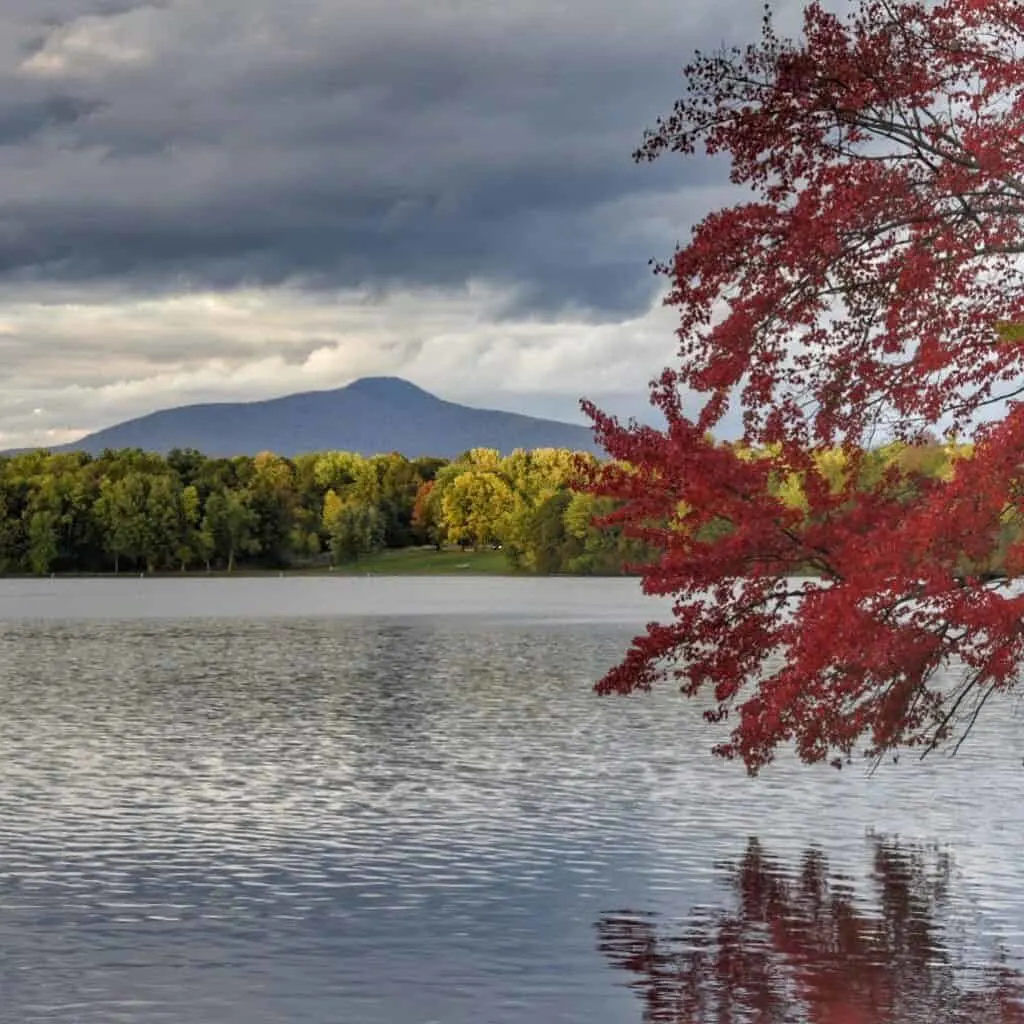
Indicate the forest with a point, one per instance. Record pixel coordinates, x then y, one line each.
130 510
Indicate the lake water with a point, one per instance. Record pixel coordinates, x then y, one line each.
388 801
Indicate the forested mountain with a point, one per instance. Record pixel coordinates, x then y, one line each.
375 414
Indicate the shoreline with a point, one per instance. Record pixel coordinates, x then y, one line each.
395 562
221 574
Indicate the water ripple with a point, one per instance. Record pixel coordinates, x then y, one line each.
402 819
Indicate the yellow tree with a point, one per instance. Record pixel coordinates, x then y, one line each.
475 506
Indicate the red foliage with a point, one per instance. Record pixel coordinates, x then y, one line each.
855 297
421 513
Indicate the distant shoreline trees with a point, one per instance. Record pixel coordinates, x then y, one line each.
130 510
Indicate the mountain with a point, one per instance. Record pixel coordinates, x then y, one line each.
372 415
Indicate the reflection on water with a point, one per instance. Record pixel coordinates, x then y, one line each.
795 944
305 802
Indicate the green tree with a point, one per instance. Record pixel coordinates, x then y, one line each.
121 511
165 522
273 501
12 530
229 525
191 545
43 532
353 529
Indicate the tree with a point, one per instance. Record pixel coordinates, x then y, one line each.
593 551
537 478
121 511
228 526
187 463
394 483
337 470
307 531
165 521
192 543
862 293
541 537
353 529
12 530
42 540
475 504
425 519
272 499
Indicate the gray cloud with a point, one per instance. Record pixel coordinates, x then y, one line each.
234 199
21 121
393 145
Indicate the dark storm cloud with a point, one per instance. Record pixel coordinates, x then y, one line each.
21 121
367 144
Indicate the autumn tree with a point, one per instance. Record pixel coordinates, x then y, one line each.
859 295
476 501
72 512
397 483
540 480
424 521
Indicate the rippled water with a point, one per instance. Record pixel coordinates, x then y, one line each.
398 801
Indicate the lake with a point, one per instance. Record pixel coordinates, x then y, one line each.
388 801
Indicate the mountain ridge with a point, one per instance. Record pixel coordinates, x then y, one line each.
370 415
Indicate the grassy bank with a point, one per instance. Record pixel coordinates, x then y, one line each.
397 562
427 562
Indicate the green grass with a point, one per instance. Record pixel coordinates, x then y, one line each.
423 562
397 562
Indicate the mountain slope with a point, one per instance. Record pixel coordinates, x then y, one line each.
372 415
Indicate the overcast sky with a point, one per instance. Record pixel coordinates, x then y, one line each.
235 199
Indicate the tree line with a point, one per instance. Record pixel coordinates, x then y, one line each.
139 511
130 510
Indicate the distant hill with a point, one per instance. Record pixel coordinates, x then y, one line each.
372 415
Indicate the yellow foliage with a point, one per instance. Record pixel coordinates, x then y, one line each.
333 506
1009 331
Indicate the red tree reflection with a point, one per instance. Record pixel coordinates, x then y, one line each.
800 948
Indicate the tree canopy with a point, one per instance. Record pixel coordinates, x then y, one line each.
135 510
862 294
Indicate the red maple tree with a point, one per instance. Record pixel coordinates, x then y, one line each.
858 296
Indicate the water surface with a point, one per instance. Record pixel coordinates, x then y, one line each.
382 800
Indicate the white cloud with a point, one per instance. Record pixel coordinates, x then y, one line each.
92 46
87 365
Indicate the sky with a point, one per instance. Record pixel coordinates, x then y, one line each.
236 199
